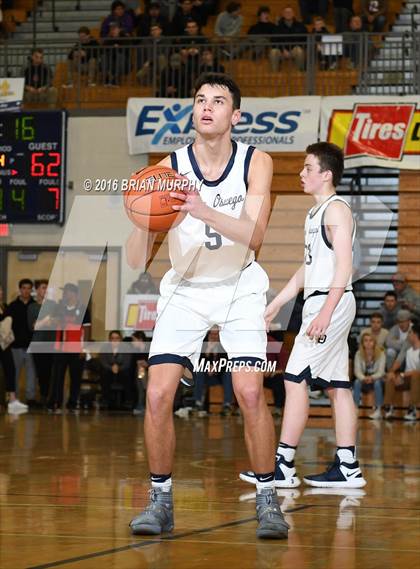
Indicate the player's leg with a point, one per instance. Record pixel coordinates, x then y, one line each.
159 432
345 471
296 410
259 438
159 429
258 423
177 340
244 338
295 417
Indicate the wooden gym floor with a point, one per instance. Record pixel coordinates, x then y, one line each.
70 484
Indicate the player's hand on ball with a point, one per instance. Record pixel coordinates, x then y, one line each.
317 329
270 313
193 204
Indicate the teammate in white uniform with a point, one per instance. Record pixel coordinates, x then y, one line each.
214 280
320 354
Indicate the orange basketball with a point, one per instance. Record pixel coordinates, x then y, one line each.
147 200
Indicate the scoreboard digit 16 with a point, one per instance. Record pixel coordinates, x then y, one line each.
32 167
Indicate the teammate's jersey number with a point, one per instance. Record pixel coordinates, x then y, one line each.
308 256
215 239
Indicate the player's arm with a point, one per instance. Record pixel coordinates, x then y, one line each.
139 245
250 228
292 288
339 222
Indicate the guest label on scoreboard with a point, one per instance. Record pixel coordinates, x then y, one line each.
32 167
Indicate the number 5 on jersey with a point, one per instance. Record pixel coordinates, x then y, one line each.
215 239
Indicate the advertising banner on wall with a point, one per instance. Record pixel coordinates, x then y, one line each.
11 93
374 131
283 124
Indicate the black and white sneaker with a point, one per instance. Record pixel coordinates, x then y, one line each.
284 474
338 475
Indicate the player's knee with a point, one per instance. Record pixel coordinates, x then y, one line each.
249 396
158 399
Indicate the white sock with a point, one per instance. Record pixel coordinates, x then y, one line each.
287 452
164 486
345 455
264 485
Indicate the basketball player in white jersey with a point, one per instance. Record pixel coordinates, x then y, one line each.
214 280
320 354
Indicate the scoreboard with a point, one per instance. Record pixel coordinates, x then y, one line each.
32 166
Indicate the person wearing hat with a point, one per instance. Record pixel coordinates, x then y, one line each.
72 329
397 336
407 297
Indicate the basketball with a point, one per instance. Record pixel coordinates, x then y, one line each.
147 200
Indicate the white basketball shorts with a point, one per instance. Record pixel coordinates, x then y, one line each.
186 311
323 364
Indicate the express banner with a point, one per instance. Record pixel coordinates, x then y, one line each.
374 131
284 124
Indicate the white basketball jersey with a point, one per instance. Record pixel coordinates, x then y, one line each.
197 252
320 260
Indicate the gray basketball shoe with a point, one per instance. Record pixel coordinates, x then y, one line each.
271 524
157 517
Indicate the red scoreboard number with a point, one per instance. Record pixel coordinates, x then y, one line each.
45 164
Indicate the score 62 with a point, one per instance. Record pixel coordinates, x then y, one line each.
43 164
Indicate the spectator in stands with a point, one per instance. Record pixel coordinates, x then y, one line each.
289 48
72 324
6 360
152 55
407 297
343 11
369 371
229 22
376 329
310 8
209 63
143 285
397 336
212 354
118 17
83 58
389 309
353 44
185 12
42 332
151 17
115 364
140 366
173 79
266 30
374 14
319 29
18 310
38 81
407 360
412 372
116 61
192 43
